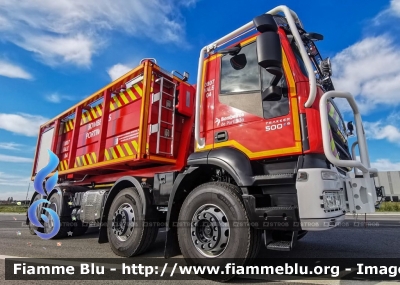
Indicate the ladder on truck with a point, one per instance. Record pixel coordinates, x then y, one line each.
166 103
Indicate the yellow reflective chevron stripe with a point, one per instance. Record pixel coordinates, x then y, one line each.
83 160
122 150
138 89
106 154
123 97
119 100
128 149
94 157
131 95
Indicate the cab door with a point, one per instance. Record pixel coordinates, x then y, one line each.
242 119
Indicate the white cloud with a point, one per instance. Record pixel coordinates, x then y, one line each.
57 98
118 70
17 192
14 185
384 164
55 50
13 180
381 131
4 24
370 70
67 31
11 158
392 11
13 71
10 146
22 124
395 7
188 3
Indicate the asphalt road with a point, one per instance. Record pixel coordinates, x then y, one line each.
380 238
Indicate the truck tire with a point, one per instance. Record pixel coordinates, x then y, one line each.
128 232
58 206
213 226
32 227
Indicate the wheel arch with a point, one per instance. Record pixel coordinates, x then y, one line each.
201 165
232 160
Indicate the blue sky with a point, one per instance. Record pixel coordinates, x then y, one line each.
55 53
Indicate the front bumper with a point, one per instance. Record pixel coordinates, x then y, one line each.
314 204
314 213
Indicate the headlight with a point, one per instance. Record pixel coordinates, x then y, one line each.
332 200
302 176
329 175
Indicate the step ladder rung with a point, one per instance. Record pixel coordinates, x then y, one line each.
165 93
164 79
165 83
169 109
163 152
166 123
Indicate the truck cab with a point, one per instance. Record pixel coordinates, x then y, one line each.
266 111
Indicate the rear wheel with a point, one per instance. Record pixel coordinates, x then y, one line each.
128 232
58 205
213 226
32 227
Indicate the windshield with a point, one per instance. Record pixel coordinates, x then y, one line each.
300 61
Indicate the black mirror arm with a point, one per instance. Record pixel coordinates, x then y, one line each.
232 51
277 72
272 93
276 80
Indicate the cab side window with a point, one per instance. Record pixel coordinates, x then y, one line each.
240 81
273 109
243 81
240 73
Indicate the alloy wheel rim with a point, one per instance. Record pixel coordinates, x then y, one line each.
210 230
123 222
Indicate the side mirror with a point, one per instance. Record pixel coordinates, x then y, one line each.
269 50
265 23
239 61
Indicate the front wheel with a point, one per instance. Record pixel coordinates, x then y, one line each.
213 226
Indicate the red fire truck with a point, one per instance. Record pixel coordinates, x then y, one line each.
256 150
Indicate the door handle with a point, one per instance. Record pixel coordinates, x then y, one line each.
221 136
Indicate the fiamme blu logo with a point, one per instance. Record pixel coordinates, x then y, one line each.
35 206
